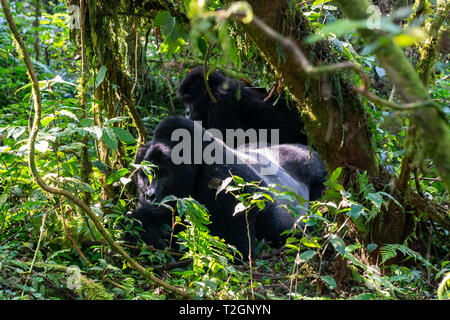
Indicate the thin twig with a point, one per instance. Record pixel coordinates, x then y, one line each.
38 246
250 262
136 74
205 72
271 91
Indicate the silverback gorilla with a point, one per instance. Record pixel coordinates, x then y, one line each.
249 111
193 177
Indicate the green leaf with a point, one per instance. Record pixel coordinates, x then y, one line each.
224 184
100 166
240 207
356 210
318 2
42 146
83 186
375 198
310 242
86 122
167 23
117 175
95 132
109 138
306 256
329 280
202 46
100 76
114 120
124 135
160 18
67 114
45 121
336 173
338 244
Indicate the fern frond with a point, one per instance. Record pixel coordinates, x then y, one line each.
389 251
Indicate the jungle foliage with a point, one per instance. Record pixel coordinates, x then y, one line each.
370 79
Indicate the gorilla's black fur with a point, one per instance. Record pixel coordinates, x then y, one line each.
154 222
190 179
238 107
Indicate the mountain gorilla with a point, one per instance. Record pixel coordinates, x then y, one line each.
248 111
196 178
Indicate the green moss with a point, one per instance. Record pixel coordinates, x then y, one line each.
91 290
421 7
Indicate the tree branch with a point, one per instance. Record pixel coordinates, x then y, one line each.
316 71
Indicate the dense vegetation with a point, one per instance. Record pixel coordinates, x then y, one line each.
108 73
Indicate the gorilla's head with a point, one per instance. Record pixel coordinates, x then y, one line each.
192 92
151 224
170 177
